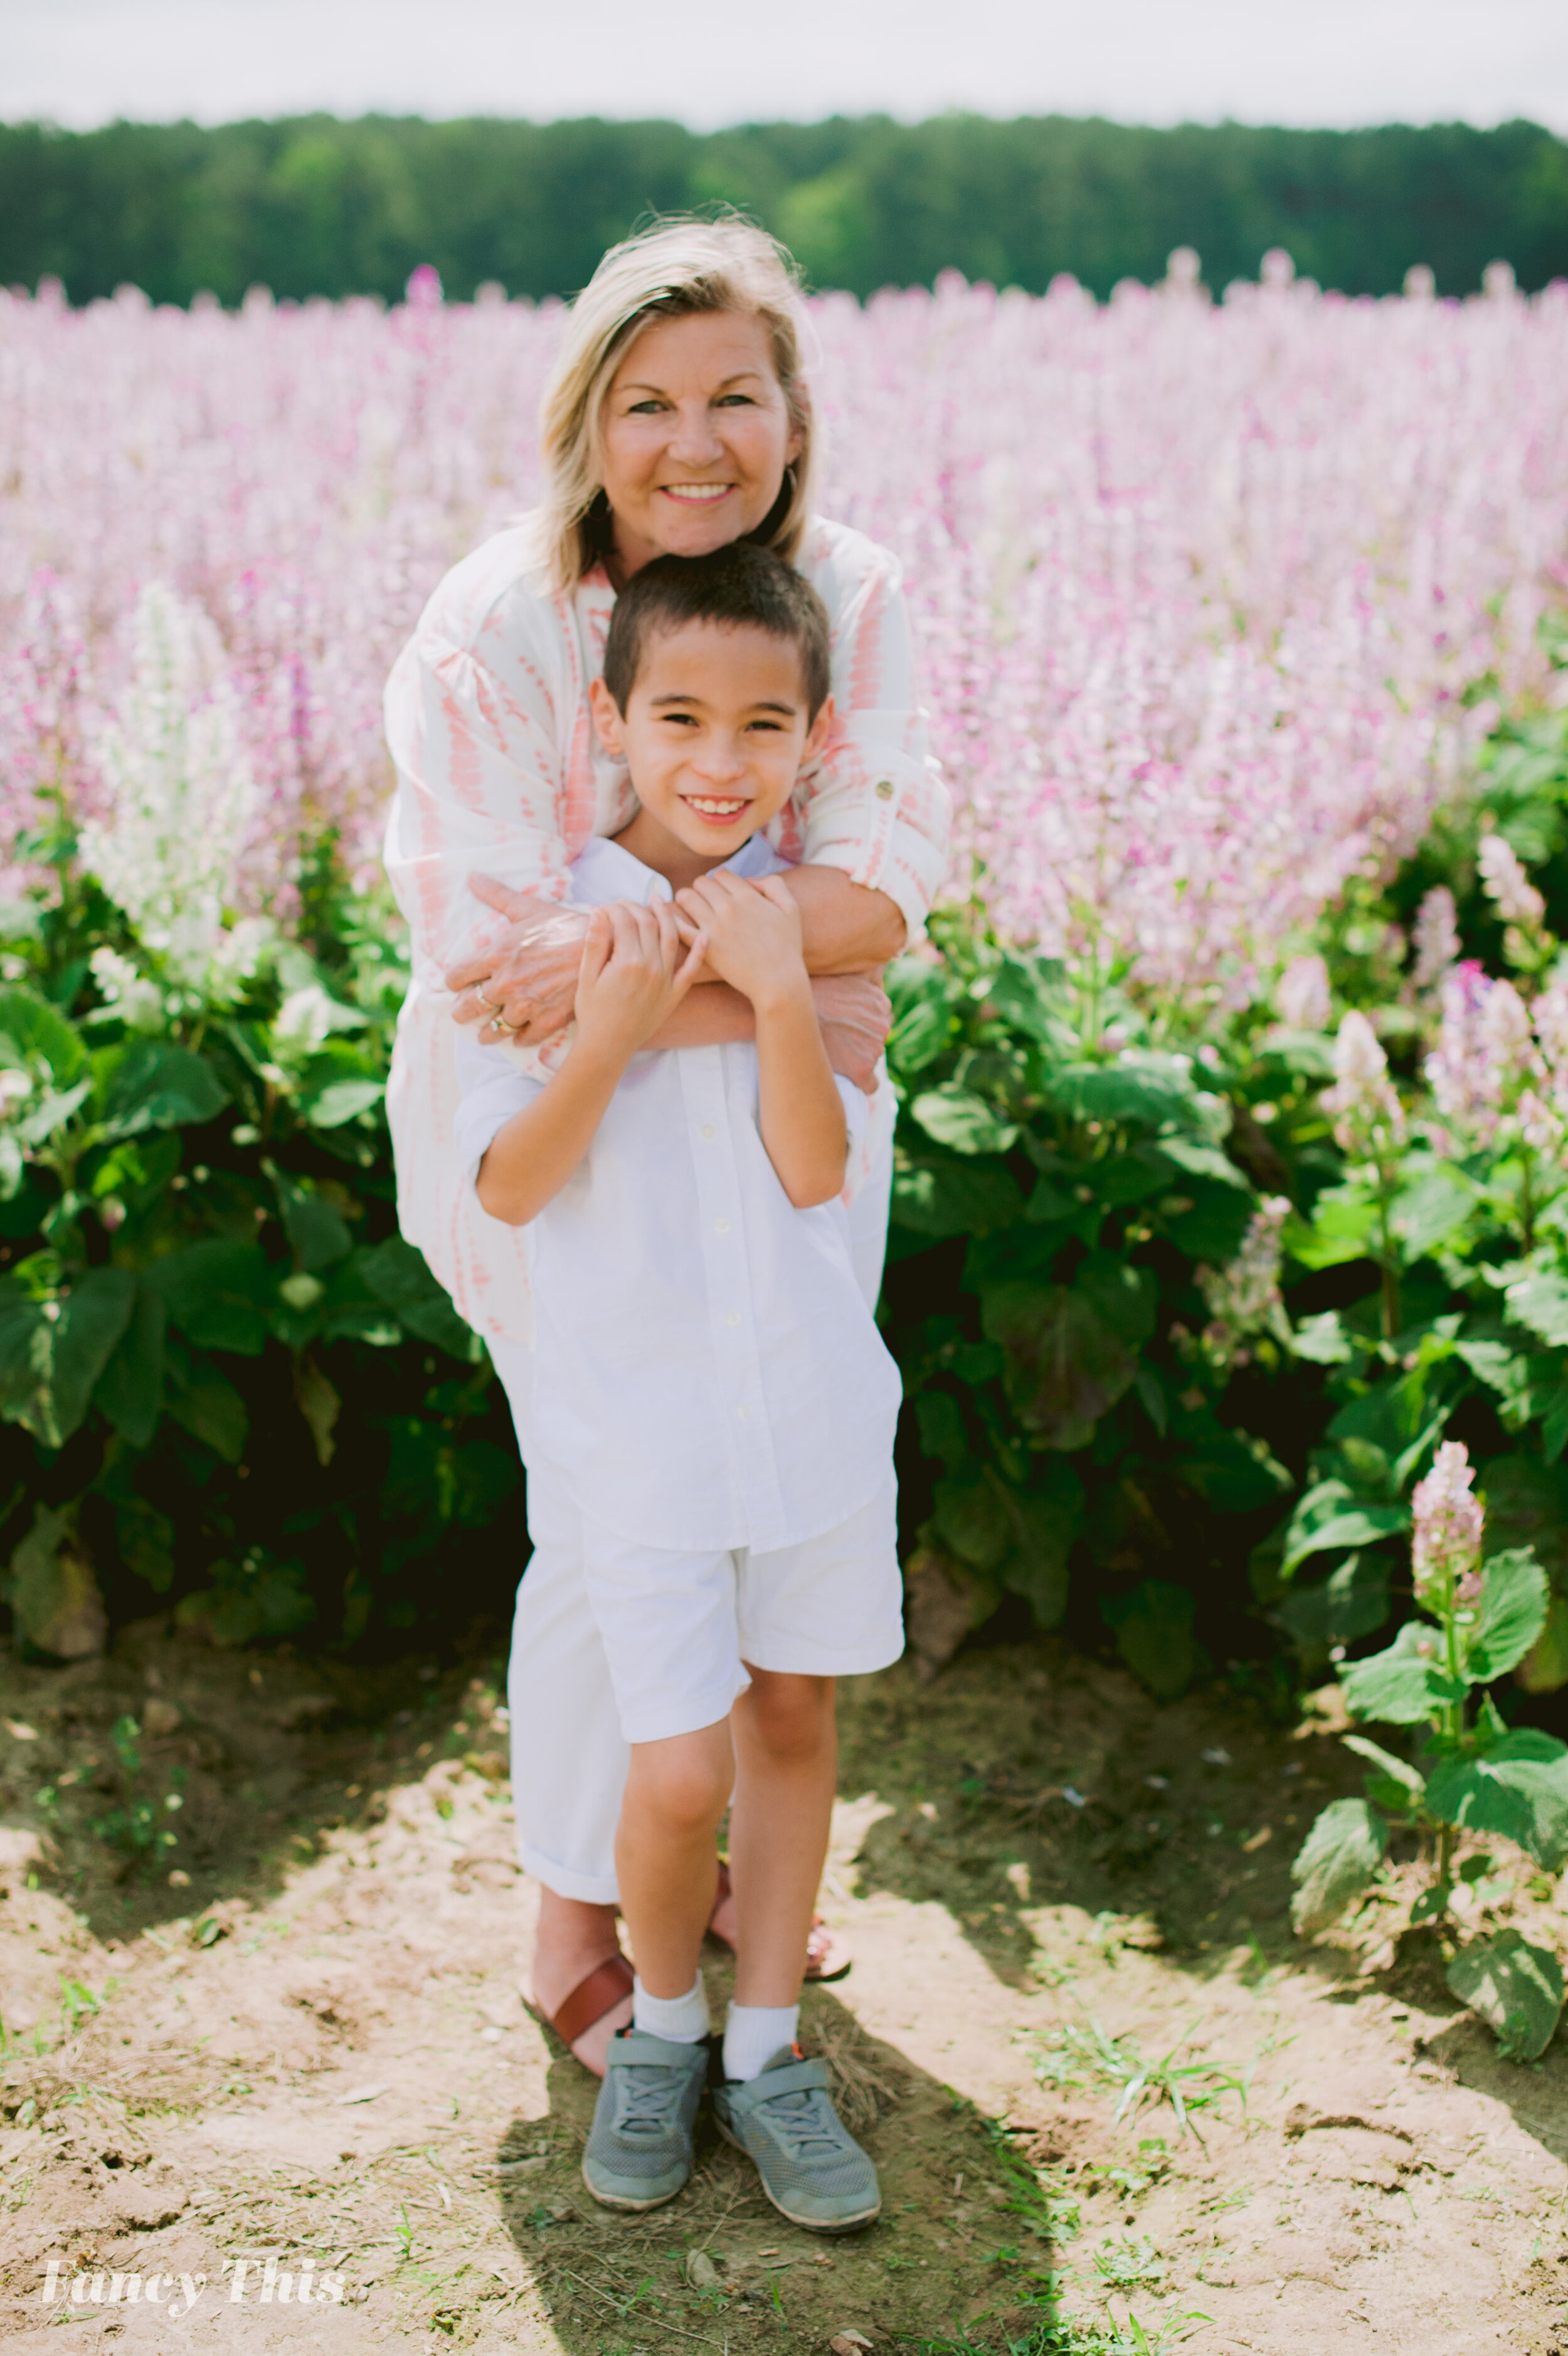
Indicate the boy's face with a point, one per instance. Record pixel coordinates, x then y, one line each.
715 732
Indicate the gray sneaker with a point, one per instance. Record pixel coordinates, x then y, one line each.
812 2168
639 2148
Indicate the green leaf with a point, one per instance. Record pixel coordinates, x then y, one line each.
1045 1520
93 1317
920 1032
956 1198
318 1233
209 1407
1356 1526
1201 1161
53 1591
146 1542
337 1101
1544 1667
1344 1221
25 1352
1322 1340
148 1084
1403 1684
1395 1770
942 1433
1213 1228
1139 1087
1071 1351
1428 1210
1337 1860
217 1292
1517 1988
1514 1612
39 1033
396 1273
1153 1628
972 1520
1350 1603
963 1122
1539 1304
131 1387
1518 1788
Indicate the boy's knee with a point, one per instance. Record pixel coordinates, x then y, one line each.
791 1716
685 1782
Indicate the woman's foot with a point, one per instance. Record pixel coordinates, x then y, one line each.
827 1955
572 1941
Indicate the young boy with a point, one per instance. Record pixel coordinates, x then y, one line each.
710 1435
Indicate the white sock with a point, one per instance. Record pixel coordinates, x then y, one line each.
752 2035
683 2020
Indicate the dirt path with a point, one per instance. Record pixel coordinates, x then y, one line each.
313 2050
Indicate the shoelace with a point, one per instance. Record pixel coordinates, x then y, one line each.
647 2099
805 2122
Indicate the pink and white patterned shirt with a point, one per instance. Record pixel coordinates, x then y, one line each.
500 773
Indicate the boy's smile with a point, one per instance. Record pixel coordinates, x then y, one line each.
714 736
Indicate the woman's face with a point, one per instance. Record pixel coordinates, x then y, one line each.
696 436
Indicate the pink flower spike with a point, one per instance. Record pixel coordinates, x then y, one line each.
1445 1545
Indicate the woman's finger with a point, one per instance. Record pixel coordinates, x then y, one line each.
596 947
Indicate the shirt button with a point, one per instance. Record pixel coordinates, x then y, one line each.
884 789
743 1414
708 1129
733 1317
721 1226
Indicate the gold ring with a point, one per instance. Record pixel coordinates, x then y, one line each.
498 1022
489 1003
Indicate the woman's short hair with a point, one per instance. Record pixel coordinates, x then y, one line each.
673 270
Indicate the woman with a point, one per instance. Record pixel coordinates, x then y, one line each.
677 420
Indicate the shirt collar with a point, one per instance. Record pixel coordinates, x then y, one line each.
603 870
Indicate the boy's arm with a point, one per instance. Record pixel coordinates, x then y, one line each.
632 978
753 941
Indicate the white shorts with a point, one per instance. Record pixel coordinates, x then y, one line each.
679 1629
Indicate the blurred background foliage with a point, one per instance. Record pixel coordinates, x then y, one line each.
319 207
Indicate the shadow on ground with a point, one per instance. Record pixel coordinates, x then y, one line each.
963 2239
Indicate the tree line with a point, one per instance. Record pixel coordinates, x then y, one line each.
318 206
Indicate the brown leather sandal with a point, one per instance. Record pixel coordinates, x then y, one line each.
605 1986
827 1956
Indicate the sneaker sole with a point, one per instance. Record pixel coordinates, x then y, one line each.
619 2201
809 2225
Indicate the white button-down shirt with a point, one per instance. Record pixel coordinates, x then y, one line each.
706 1372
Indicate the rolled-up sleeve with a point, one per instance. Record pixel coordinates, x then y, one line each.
875 806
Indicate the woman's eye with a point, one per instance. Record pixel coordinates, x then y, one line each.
645 408
736 400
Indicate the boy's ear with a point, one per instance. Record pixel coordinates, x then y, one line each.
817 735
606 718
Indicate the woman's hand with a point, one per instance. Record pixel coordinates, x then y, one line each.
753 934
530 977
631 978
855 1015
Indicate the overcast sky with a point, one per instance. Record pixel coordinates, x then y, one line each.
706 62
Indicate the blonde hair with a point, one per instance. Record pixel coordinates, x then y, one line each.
672 270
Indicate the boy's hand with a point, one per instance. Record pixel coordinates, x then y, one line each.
753 933
632 977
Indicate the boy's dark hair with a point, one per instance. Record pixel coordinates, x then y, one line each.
740 585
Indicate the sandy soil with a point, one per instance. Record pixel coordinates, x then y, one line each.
312 2048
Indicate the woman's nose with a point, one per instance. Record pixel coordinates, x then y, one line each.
695 439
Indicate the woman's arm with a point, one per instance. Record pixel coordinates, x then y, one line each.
846 929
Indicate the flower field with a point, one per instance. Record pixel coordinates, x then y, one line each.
1206 593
